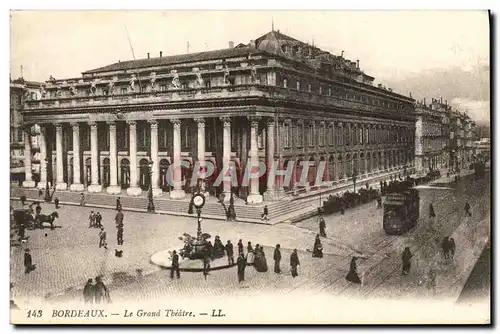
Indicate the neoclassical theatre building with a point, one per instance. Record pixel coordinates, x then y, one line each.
274 99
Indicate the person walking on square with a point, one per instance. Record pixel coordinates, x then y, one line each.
175 266
82 199
468 213
322 227
118 204
56 203
265 214
101 292
277 259
432 214
98 219
119 218
318 248
294 262
241 263
91 219
40 192
352 275
28 262
230 253
240 246
119 236
406 257
102 238
88 292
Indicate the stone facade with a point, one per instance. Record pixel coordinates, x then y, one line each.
276 100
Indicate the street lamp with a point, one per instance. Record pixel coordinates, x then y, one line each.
151 205
47 191
199 202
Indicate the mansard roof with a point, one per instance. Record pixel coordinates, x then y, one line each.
176 59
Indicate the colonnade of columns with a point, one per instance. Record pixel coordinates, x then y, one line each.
176 193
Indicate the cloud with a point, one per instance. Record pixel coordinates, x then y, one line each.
479 111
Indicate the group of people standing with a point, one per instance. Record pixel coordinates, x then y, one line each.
96 293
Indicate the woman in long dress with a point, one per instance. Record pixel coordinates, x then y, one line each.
260 262
352 276
318 248
250 254
406 257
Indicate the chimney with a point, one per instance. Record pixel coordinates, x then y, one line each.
441 98
357 63
231 44
446 102
161 53
148 55
424 101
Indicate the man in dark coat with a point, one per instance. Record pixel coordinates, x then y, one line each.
241 263
88 292
294 262
432 214
175 266
230 253
352 275
318 248
265 214
467 209
28 263
38 209
100 291
322 227
118 204
277 259
98 219
102 239
56 202
406 257
119 218
240 246
119 236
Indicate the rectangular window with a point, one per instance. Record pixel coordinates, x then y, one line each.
310 134
321 135
286 135
163 87
320 90
123 90
298 85
330 91
309 88
331 135
300 139
285 82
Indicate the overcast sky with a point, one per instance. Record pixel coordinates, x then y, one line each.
392 46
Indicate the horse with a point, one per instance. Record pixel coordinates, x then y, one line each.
40 219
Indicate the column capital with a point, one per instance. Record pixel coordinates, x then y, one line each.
226 121
299 121
340 124
75 125
112 125
322 123
176 123
132 124
200 121
153 123
331 123
270 121
58 126
93 125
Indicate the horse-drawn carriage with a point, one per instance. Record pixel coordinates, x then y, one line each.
27 219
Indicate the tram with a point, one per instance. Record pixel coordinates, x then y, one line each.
401 211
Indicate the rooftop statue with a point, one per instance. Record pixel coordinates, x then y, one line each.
72 89
176 82
132 81
43 92
226 76
152 81
200 83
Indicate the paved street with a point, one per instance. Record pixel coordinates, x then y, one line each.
69 255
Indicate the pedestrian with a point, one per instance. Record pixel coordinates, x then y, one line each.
451 247
82 199
467 209
101 292
28 262
318 248
40 192
432 214
294 262
88 292
241 263
91 219
265 214
98 219
38 208
119 236
118 204
406 257
277 259
379 201
206 263
230 253
352 275
175 266
56 203
119 218
322 227
240 246
445 246
249 247
102 239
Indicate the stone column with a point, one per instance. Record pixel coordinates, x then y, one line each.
28 178
76 185
43 159
133 189
177 192
155 178
95 187
200 121
114 188
226 157
60 184
254 197
270 195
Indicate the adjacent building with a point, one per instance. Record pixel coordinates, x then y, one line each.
274 100
20 91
